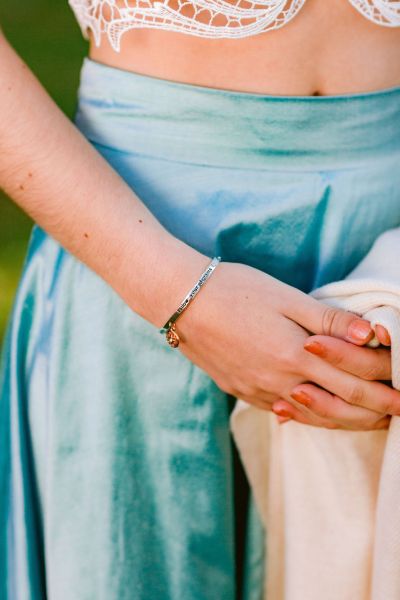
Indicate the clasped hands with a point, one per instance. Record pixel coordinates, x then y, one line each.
251 333
368 407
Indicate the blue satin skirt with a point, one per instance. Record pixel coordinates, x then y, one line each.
117 472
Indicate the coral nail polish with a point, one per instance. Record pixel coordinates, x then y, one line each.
281 412
315 348
302 398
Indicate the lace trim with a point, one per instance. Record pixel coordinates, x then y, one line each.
206 18
382 12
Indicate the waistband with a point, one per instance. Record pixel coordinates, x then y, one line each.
171 120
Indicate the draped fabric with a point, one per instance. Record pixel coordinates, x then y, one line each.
329 499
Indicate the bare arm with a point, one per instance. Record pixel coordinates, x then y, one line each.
56 176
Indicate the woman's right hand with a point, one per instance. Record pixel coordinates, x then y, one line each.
247 329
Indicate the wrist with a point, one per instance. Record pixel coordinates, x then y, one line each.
181 271
169 327
157 287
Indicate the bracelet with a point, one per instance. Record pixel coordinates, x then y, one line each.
169 328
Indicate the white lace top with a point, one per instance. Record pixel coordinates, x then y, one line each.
206 18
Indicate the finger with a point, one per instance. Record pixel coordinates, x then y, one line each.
331 407
374 395
283 406
367 363
289 412
281 420
323 319
383 335
360 332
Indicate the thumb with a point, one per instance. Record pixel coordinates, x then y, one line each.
324 319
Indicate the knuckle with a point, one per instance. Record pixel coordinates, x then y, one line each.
291 355
391 405
330 317
336 359
323 412
356 395
371 373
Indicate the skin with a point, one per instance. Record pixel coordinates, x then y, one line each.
327 48
316 406
75 195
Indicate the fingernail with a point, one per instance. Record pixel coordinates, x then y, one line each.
315 348
359 330
281 412
301 397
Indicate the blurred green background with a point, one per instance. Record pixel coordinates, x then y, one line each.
46 35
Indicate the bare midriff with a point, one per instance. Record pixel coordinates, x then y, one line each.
327 49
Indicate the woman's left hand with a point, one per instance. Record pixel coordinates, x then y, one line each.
316 406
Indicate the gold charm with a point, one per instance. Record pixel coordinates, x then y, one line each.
172 337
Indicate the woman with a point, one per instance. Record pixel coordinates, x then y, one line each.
276 151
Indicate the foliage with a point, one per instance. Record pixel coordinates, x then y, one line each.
47 37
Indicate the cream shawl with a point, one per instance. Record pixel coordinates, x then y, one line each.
330 499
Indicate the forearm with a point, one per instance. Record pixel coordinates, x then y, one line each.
56 176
